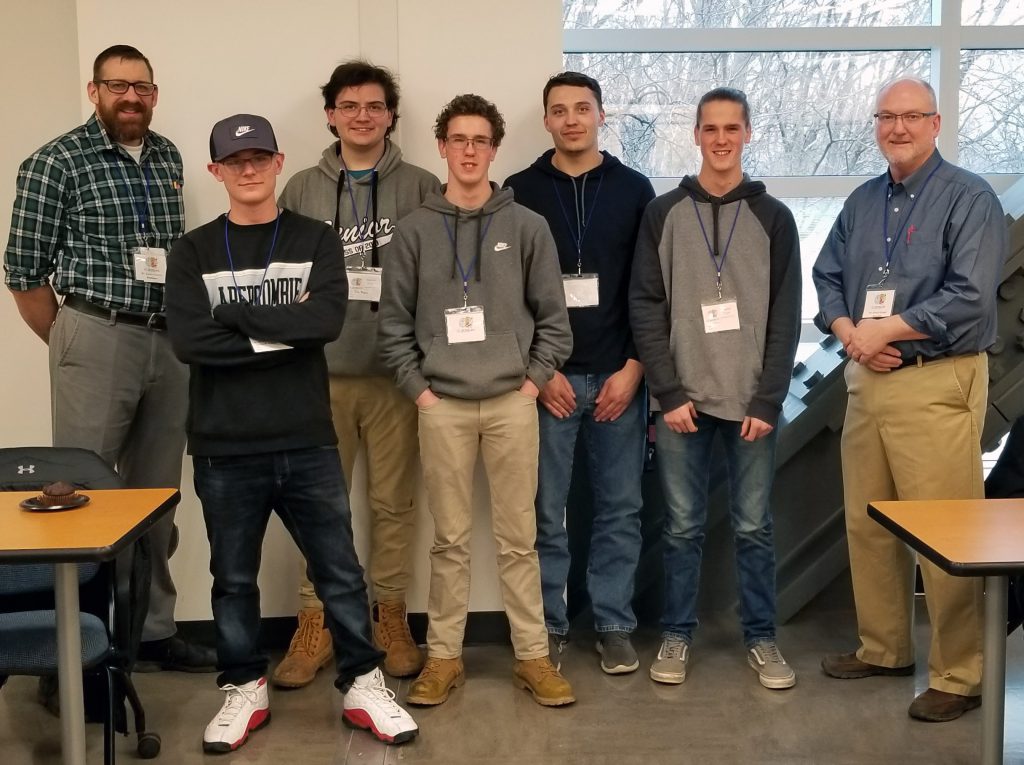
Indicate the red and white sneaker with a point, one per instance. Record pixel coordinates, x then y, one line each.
370 705
246 708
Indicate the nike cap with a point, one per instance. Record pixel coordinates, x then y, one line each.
241 132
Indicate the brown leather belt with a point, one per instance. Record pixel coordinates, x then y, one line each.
154 321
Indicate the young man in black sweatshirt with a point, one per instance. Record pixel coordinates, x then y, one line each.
593 204
252 298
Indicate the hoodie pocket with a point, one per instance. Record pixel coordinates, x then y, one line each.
484 368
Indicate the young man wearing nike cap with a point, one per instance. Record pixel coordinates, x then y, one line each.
362 186
252 298
473 323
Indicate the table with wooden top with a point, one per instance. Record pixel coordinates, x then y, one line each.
98 531
970 537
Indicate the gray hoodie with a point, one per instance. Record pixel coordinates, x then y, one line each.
400 189
511 268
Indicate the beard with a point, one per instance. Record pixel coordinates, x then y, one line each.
126 122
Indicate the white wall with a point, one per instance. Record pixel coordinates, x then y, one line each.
210 61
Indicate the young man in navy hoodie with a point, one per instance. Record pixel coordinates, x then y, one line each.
593 204
252 298
715 305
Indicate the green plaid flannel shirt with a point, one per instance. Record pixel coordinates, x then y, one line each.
75 217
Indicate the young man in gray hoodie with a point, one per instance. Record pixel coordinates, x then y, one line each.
715 307
361 187
473 324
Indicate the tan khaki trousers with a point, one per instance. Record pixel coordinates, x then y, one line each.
504 430
371 410
914 433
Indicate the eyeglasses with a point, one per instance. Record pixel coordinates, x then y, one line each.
259 162
120 87
461 142
350 109
888 119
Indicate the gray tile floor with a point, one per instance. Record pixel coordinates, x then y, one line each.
720 715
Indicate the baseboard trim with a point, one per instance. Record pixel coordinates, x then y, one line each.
482 628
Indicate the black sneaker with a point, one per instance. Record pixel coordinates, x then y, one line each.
175 654
617 654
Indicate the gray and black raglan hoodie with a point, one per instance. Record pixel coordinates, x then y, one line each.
729 374
393 190
511 265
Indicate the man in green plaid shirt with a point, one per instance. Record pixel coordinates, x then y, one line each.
97 209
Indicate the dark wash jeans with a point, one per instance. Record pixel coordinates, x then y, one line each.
307 490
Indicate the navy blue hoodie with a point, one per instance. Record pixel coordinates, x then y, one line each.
606 205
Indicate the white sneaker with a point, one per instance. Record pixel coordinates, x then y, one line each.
245 709
370 705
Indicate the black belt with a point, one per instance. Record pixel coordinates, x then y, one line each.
919 359
153 321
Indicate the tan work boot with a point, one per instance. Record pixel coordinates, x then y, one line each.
391 635
436 681
541 679
310 649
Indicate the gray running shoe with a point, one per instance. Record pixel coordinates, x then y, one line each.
556 645
617 654
670 666
772 670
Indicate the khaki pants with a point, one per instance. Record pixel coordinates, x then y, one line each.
373 411
914 433
504 430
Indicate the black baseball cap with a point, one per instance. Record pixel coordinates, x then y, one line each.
241 132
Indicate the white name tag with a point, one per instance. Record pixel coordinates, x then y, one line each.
465 325
150 264
364 284
581 290
720 316
264 346
878 303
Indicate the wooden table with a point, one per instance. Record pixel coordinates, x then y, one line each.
113 519
970 537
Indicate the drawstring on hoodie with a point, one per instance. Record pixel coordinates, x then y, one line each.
476 267
582 217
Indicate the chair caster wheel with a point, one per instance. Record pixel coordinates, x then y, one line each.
149 745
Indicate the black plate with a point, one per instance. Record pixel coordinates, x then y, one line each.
38 505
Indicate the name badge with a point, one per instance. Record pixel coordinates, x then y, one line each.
878 302
266 346
465 325
364 284
720 316
150 264
580 290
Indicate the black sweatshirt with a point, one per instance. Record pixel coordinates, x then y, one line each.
220 311
606 205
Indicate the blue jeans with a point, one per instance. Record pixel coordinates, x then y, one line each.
307 490
615 453
684 467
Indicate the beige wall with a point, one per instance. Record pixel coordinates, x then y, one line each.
209 63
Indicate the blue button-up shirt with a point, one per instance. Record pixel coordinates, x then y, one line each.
948 239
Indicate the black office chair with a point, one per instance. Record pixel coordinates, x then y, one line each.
113 599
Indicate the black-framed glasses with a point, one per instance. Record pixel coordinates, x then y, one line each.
462 142
120 87
259 162
888 119
350 109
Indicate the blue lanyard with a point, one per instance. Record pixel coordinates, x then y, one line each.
890 247
455 249
142 213
270 255
719 265
581 223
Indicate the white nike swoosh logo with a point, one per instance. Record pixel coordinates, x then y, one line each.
243 130
500 246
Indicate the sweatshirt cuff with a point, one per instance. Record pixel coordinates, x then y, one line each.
764 411
539 376
414 386
672 399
